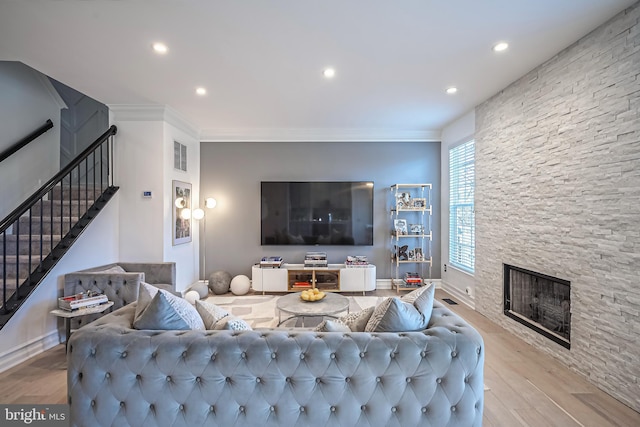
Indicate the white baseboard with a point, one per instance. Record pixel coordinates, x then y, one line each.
457 294
28 350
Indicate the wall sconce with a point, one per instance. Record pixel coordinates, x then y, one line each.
199 214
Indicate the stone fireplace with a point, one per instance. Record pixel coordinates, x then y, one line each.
540 302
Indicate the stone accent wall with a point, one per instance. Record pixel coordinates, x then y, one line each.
558 191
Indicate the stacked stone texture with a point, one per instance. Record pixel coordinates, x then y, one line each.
558 192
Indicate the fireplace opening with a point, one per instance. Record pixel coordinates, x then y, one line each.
540 302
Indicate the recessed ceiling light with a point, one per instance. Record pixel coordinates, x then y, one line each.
451 90
499 47
201 91
329 73
160 48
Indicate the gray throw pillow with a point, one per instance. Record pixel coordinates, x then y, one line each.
160 315
162 308
424 302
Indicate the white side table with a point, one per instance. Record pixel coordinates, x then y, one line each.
68 315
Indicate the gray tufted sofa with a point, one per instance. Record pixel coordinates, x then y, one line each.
121 288
118 376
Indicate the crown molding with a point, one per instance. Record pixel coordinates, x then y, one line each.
318 135
153 113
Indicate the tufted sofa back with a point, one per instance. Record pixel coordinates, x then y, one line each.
125 377
119 287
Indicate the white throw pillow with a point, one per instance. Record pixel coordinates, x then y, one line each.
210 313
232 323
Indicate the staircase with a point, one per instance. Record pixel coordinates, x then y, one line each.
35 236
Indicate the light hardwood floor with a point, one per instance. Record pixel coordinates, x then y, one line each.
525 387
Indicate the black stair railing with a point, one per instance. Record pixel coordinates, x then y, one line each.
38 232
27 139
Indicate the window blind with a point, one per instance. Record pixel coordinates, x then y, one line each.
462 224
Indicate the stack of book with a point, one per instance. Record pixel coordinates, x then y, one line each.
356 261
301 285
78 301
412 280
271 262
315 259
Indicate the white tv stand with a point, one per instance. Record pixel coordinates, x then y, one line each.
297 277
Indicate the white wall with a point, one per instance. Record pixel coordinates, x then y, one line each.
27 100
32 329
186 256
455 281
144 153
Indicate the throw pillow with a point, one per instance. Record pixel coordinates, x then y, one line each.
413 295
357 321
332 326
146 292
210 313
167 312
395 315
424 301
232 323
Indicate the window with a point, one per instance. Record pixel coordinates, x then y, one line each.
462 219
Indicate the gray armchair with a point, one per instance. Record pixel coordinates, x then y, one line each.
119 282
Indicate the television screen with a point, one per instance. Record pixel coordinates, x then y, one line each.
317 213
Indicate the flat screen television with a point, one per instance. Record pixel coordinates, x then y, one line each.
317 213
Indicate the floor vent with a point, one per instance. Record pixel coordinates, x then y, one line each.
449 301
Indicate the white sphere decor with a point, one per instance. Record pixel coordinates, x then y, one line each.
240 285
192 297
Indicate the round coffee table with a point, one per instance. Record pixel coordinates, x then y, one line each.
329 306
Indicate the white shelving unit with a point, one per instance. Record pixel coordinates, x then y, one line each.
411 233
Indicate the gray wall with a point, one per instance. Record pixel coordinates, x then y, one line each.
558 192
232 172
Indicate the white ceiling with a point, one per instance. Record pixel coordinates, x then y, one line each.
262 61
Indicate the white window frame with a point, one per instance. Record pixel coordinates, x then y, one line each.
462 221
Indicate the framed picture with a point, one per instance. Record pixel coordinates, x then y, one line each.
416 229
419 203
400 226
418 254
403 200
181 222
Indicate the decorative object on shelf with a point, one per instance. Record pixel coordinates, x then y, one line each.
400 226
356 261
219 282
181 212
315 259
403 200
240 285
402 253
416 229
271 262
419 203
200 215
